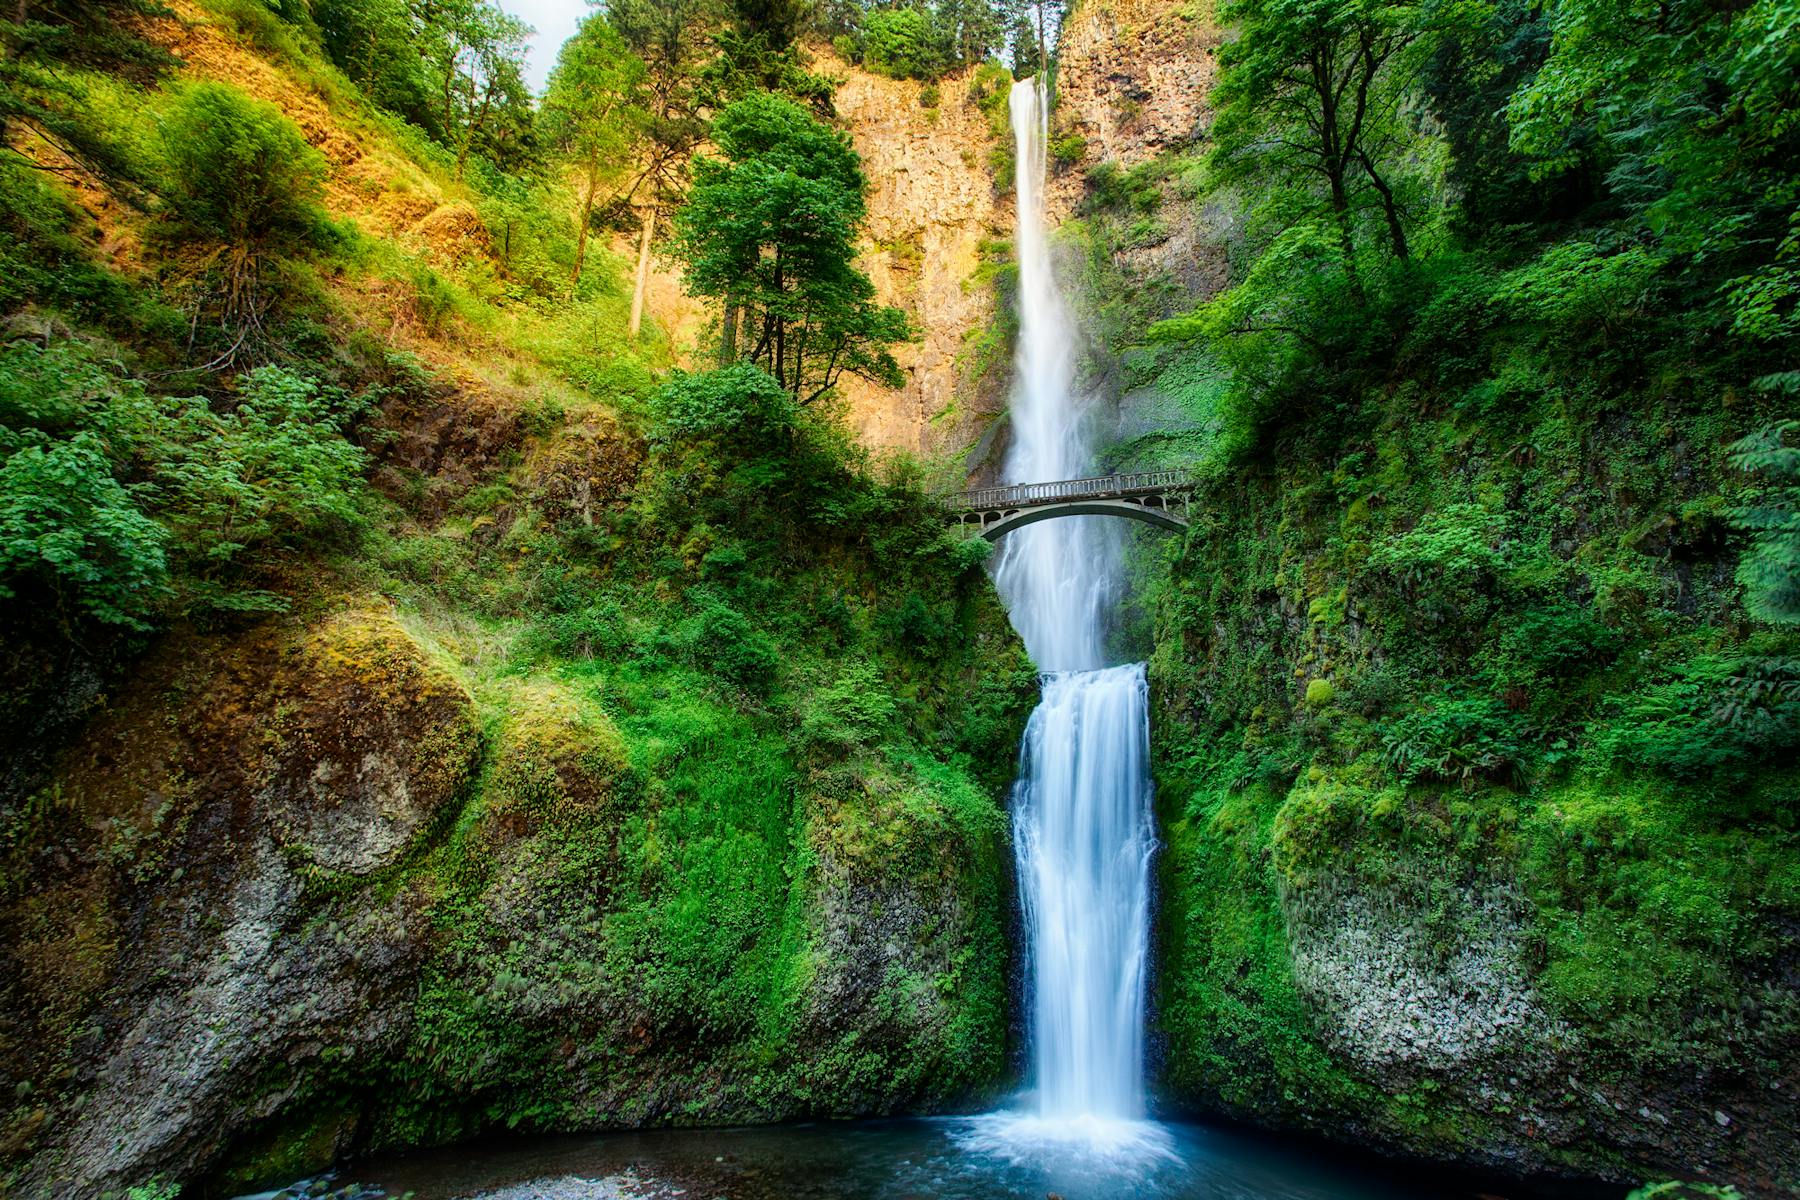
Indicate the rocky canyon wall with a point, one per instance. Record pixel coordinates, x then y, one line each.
932 209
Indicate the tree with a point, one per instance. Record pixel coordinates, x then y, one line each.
1313 90
594 112
902 43
243 180
376 43
969 31
1031 29
770 230
483 81
1692 107
673 39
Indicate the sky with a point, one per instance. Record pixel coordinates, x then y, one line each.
554 21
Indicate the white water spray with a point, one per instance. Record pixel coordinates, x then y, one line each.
1081 807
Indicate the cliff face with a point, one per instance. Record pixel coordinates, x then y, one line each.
1133 79
932 205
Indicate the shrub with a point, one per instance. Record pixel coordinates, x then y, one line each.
742 403
900 42
1455 738
273 470
852 710
68 524
1715 714
1068 149
720 639
1770 571
240 172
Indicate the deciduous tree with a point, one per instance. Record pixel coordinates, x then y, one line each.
770 229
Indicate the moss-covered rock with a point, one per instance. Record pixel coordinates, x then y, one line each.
204 914
1476 850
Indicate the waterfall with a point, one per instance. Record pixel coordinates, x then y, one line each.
1081 806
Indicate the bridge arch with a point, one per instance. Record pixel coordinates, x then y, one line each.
997 525
1148 496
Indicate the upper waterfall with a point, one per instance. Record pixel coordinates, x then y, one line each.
1058 579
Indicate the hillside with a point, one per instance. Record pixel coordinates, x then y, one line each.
521 764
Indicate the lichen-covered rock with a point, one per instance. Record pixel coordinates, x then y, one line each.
559 761
1318 974
905 926
1401 997
186 934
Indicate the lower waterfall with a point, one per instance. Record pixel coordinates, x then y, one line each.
1081 813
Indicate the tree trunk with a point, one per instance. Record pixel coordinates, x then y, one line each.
477 118
1340 205
587 217
643 271
728 335
781 334
1396 231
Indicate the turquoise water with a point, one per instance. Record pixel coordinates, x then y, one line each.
936 1159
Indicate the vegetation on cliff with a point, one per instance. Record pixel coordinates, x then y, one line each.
1477 672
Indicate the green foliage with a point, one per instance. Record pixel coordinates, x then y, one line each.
154 1190
901 42
51 51
1068 149
240 173
738 410
118 502
1676 1190
1310 97
920 40
1454 738
273 470
770 229
1715 712
373 41
68 524
1770 571
595 113
854 709
1712 179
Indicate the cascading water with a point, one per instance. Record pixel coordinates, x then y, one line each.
1081 807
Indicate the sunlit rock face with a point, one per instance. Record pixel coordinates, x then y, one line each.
932 203
1133 83
1133 79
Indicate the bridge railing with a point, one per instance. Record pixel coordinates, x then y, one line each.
1096 487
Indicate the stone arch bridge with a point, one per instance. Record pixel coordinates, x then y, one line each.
1159 498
